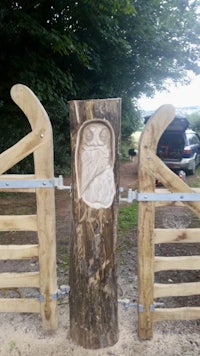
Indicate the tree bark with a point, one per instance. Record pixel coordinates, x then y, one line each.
95 132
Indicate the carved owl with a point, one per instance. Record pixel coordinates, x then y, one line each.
94 163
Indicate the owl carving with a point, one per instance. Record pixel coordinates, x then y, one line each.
94 162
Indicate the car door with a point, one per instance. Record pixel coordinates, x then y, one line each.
194 143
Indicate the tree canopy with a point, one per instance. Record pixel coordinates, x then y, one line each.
194 119
67 50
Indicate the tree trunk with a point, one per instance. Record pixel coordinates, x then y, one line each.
95 131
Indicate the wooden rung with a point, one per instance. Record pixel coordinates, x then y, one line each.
176 236
165 190
185 313
18 222
176 263
27 145
176 290
19 305
18 190
19 280
16 252
168 203
17 176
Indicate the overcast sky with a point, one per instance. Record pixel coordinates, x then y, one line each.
180 96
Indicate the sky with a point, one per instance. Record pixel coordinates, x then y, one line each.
180 96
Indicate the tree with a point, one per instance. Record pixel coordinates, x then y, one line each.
84 49
194 120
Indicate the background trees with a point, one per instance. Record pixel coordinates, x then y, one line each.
83 49
194 120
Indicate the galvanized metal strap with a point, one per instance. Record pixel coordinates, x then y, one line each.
126 303
33 183
61 292
168 196
155 196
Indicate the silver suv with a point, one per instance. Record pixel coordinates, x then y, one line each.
179 146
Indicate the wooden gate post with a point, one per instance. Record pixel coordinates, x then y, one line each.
95 131
151 167
40 142
146 217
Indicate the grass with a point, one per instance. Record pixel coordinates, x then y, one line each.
127 217
194 181
63 257
126 222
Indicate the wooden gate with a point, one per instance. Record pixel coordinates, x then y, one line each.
40 143
151 168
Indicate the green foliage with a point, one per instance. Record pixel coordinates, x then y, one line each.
124 147
63 257
131 118
194 119
127 217
66 50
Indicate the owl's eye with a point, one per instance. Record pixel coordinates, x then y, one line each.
88 134
105 134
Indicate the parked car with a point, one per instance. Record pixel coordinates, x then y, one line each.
179 146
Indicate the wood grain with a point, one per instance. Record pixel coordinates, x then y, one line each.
39 142
93 293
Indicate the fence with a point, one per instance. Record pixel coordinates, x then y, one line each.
39 142
151 168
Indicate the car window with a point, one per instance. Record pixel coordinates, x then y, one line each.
193 139
172 139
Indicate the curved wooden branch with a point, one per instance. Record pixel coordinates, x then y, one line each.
41 126
155 127
31 106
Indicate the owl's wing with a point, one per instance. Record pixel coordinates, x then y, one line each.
91 165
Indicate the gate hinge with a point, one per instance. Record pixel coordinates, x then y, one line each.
59 184
156 196
141 308
127 303
132 195
27 183
61 292
152 307
53 296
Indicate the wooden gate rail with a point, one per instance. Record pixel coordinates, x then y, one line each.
151 168
40 143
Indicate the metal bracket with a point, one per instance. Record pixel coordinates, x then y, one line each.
127 303
152 308
59 184
132 195
61 292
41 298
140 307
155 196
34 183
168 196
54 296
